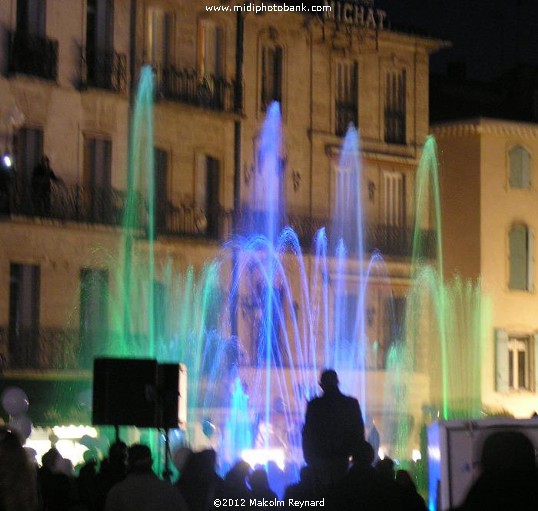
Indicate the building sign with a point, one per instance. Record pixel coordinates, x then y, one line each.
355 13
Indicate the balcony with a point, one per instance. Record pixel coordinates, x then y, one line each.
106 206
187 86
346 114
391 241
32 55
104 70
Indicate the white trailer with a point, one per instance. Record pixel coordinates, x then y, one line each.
454 450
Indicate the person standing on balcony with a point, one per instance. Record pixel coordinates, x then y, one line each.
333 432
42 178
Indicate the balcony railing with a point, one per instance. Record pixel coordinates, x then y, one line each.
107 206
33 55
346 114
45 348
104 70
187 86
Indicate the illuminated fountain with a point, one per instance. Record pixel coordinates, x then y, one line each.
299 313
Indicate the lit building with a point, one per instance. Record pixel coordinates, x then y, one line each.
488 184
67 89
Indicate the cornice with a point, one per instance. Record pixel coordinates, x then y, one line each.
484 126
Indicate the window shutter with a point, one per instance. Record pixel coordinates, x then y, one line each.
501 360
530 260
520 168
534 375
518 258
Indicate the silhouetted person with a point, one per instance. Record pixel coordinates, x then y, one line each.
57 488
364 489
304 489
412 499
18 487
42 178
199 483
142 490
235 482
113 470
333 431
508 478
87 481
259 487
385 468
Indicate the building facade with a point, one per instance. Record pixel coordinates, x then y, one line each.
67 87
488 178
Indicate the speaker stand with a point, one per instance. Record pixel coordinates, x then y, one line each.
167 473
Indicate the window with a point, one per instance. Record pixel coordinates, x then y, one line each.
520 168
518 363
24 292
210 49
28 146
99 42
515 361
394 198
31 17
271 75
161 188
97 178
93 312
207 195
159 37
346 97
395 108
520 243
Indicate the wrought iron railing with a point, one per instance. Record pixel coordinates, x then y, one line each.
104 70
33 55
42 348
187 86
68 203
107 206
346 114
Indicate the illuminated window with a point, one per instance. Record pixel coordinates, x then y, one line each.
515 367
520 168
519 363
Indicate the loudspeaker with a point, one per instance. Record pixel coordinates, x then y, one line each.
172 392
125 392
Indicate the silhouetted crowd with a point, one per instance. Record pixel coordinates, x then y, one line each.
341 474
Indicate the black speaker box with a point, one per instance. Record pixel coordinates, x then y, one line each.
168 390
125 392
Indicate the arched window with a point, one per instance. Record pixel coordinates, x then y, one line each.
520 258
520 167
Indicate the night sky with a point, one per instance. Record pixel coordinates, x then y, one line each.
490 36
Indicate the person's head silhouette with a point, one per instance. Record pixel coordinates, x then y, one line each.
328 380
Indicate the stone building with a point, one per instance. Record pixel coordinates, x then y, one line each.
67 88
488 176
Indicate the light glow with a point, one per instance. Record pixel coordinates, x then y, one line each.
262 456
